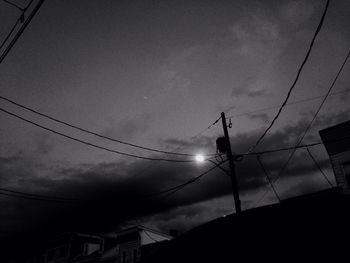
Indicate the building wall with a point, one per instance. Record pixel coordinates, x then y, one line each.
129 252
70 246
336 140
341 168
58 254
129 243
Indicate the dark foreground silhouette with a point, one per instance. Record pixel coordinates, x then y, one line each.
311 227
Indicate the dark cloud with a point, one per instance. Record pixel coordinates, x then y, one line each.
149 73
113 192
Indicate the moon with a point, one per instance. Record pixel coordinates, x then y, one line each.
199 158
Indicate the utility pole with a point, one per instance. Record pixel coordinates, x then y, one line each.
232 166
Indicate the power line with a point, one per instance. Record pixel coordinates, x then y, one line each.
54 119
14 5
97 134
33 198
268 177
316 113
20 19
310 123
213 124
10 33
63 199
176 149
291 148
40 196
301 146
180 186
325 97
21 30
291 103
91 144
261 198
294 147
309 126
170 191
65 123
68 124
173 190
220 167
37 197
296 79
319 167
287 149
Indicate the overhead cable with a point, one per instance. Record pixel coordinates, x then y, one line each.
21 30
319 167
91 144
298 145
34 198
57 198
19 19
95 133
267 177
295 147
50 198
14 5
290 103
295 80
315 114
173 190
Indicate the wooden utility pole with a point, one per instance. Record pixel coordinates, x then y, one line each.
232 166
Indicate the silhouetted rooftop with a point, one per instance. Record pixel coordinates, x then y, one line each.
305 226
336 138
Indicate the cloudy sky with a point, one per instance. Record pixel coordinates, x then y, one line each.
157 74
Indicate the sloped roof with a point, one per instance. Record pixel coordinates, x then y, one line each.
133 233
126 235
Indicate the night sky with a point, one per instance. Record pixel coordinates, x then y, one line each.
157 74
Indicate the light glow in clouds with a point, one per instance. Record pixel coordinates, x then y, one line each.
199 158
